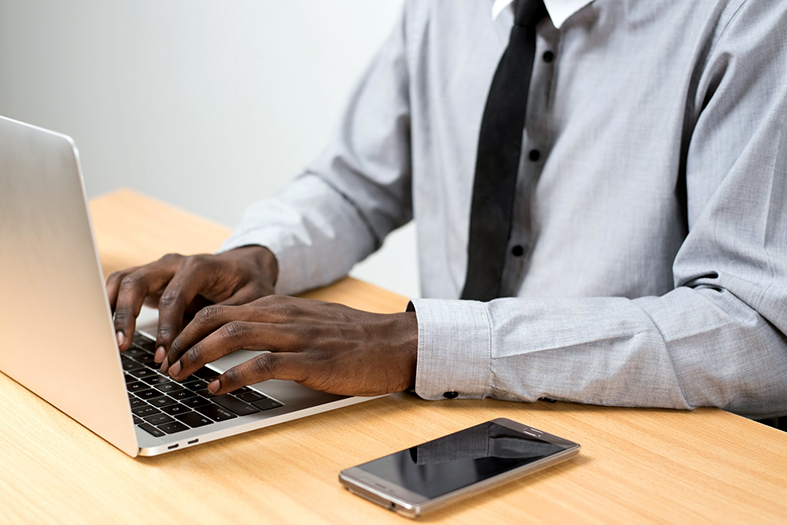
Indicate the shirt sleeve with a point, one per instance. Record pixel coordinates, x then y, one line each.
717 339
339 210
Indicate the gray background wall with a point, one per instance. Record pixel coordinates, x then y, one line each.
205 104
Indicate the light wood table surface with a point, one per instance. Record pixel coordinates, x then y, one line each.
636 466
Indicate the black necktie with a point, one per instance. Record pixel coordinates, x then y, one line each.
499 149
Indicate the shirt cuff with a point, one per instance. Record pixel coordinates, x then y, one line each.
454 349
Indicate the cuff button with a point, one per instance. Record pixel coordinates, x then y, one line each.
451 395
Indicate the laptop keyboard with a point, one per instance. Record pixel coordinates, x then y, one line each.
163 406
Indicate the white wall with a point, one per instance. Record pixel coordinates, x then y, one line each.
205 104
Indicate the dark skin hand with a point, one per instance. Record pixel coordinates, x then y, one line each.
324 346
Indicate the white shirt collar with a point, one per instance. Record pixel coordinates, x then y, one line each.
559 10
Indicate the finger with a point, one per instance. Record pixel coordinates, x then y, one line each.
285 366
132 291
205 322
235 335
113 285
179 294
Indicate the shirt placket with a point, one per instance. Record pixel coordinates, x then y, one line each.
536 145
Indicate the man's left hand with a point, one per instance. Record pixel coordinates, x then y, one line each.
323 346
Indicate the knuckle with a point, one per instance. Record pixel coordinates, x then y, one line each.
208 314
193 262
191 356
130 282
262 366
234 331
171 258
170 299
175 348
268 301
288 310
165 332
231 377
116 276
122 315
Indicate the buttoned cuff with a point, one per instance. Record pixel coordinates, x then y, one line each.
454 349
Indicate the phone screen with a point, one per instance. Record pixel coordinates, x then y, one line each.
461 459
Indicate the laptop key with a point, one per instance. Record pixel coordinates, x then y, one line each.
145 411
266 404
137 420
206 373
150 393
195 385
140 338
215 412
196 401
129 378
129 364
147 360
180 395
169 387
136 402
250 396
235 405
172 428
144 343
150 429
135 352
156 379
159 419
136 386
142 373
162 401
175 409
194 420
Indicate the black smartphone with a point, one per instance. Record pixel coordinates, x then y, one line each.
428 476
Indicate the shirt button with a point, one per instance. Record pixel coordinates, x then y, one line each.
548 56
534 155
517 251
451 395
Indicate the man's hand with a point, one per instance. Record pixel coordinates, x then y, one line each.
323 346
178 286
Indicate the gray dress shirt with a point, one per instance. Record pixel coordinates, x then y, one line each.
656 271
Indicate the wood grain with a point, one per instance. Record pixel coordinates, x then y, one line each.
636 465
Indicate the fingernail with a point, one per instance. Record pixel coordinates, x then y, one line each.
164 366
121 338
159 356
214 386
175 369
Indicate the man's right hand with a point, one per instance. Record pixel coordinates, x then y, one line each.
180 285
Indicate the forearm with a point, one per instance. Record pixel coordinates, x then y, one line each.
689 348
314 233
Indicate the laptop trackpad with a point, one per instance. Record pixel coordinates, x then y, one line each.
288 392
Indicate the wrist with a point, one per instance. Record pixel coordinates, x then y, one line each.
263 258
407 346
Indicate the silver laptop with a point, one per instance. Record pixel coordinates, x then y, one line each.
58 338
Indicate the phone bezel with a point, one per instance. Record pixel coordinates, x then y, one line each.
411 504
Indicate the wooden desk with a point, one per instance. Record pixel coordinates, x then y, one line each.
636 466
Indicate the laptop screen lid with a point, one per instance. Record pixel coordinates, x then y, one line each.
57 335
